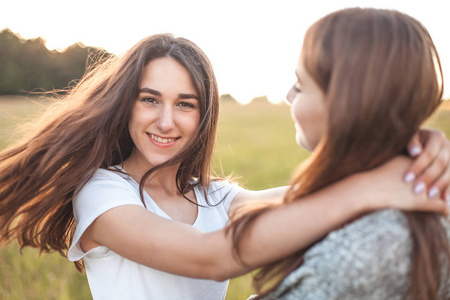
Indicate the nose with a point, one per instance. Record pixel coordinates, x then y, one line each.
290 95
165 119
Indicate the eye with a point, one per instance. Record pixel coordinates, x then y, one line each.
297 88
186 105
150 100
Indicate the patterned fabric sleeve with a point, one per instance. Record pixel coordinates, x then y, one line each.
367 259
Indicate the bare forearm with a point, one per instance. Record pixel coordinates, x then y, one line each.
294 226
289 228
200 255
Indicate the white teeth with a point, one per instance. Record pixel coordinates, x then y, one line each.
161 140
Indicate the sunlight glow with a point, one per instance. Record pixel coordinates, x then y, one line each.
253 45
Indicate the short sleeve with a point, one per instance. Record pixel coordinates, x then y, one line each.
224 192
104 191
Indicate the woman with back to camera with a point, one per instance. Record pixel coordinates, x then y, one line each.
382 66
128 153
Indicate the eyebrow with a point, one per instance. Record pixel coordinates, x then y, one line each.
159 94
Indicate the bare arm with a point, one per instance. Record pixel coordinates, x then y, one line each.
173 247
181 249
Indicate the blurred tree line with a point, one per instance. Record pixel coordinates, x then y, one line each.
27 65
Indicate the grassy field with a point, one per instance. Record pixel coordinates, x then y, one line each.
255 144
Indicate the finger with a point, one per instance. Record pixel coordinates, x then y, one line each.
437 175
441 185
414 146
446 195
436 206
433 145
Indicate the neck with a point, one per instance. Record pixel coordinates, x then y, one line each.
163 179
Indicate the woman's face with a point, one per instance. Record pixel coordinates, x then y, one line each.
166 113
307 109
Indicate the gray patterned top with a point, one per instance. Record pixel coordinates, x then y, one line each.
367 259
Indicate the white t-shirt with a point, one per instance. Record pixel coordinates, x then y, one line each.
112 276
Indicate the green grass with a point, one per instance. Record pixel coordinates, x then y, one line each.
256 144
251 139
29 276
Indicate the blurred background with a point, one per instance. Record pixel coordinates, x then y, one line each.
253 45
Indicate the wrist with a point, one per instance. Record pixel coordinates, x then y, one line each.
364 194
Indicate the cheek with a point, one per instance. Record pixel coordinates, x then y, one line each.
197 120
190 122
135 121
296 112
309 123
139 121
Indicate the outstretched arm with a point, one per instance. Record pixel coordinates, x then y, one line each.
137 234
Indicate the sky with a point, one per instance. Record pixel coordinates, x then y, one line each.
253 45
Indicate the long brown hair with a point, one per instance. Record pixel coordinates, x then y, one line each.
381 77
89 130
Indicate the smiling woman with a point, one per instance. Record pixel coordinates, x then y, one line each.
165 117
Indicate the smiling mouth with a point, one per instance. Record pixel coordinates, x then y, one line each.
162 140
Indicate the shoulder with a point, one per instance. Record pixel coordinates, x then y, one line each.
372 235
368 259
372 250
221 191
377 243
103 175
105 179
105 189
222 186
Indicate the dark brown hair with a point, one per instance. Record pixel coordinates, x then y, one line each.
381 77
89 130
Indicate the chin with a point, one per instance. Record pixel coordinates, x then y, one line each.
303 143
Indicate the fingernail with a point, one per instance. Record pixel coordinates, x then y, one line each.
447 199
418 188
414 150
433 192
409 177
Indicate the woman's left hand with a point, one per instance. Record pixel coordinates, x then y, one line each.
431 168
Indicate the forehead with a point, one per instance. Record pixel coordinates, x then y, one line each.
166 74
